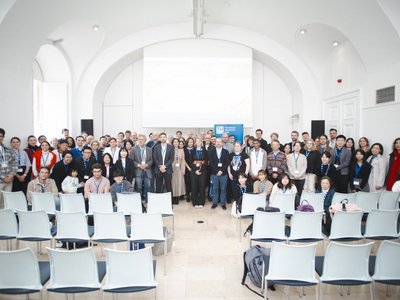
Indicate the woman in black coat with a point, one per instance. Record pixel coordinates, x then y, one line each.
198 164
359 173
126 165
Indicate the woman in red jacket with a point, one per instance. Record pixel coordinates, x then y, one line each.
43 158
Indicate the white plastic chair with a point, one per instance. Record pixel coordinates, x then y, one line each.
306 227
74 271
250 203
346 226
284 202
389 200
15 201
109 228
346 265
338 197
129 271
8 226
148 229
71 203
367 200
34 226
387 265
72 227
161 203
21 272
129 203
100 203
382 225
292 265
43 201
314 199
268 227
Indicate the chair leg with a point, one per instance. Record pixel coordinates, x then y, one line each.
341 290
165 257
265 289
303 289
387 290
371 290
240 230
173 227
300 292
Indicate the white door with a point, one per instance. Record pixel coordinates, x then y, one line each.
342 112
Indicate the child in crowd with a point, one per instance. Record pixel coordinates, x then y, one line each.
71 183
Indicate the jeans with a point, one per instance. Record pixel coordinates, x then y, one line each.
143 184
219 188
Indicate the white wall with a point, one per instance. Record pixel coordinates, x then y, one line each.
272 103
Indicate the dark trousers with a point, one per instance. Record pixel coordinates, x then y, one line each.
163 180
342 183
198 188
299 183
188 183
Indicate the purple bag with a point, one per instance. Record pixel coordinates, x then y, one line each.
305 207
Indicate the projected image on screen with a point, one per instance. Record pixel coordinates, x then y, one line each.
196 88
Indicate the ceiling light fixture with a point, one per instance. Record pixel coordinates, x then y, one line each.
335 43
199 12
96 27
303 31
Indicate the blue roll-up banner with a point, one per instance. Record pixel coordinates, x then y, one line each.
235 129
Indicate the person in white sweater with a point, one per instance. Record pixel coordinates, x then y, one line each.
71 183
284 186
377 176
297 166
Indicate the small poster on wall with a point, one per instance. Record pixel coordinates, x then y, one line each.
235 129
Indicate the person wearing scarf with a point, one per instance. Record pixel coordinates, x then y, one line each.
394 165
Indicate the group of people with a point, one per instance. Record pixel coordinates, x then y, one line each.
196 167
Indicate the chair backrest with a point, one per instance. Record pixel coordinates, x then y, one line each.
74 268
129 268
314 199
284 202
367 200
346 225
15 201
72 226
346 262
34 224
159 203
19 270
147 227
8 224
100 203
43 201
387 264
338 197
306 225
71 203
268 225
129 203
109 226
389 200
382 223
292 262
250 203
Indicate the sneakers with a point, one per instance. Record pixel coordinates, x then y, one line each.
224 207
214 206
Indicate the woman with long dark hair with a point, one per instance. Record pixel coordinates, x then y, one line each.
23 176
359 173
284 186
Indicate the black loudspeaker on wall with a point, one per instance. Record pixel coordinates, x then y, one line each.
87 125
317 128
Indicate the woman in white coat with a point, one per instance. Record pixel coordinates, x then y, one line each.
376 179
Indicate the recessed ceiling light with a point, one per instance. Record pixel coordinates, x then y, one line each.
96 27
303 31
335 43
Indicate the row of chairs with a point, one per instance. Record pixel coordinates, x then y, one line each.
307 226
127 203
343 265
34 226
77 271
286 203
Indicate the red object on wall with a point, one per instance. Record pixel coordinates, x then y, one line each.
339 80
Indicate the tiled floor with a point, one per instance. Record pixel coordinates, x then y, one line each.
206 264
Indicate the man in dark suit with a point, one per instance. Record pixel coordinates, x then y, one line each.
84 164
62 168
143 160
263 143
219 162
341 158
294 135
162 160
